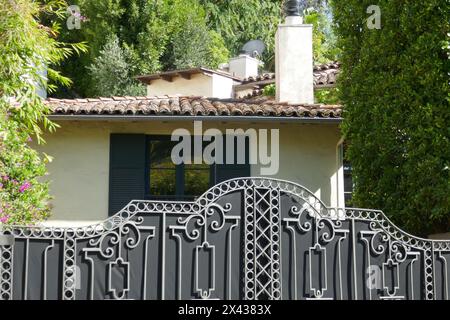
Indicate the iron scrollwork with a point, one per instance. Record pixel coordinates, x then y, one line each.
327 251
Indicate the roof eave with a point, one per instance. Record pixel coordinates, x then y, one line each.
100 117
184 73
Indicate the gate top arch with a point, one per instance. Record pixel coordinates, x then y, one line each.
135 207
300 201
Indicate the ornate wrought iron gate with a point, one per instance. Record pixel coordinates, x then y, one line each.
249 238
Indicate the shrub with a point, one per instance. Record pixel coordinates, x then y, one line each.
394 85
24 197
27 47
111 72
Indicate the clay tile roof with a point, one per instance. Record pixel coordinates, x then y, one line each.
186 73
324 76
260 77
190 106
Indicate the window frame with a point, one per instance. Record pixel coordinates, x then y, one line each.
179 175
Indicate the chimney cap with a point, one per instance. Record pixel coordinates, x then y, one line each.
292 8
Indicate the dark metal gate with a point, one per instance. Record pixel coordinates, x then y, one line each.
251 238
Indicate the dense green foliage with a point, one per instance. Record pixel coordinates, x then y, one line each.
240 21
24 198
153 36
270 90
196 46
171 34
26 48
324 41
395 88
327 96
112 73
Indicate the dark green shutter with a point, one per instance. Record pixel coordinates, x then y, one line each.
229 171
127 170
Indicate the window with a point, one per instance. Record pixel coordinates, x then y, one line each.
167 181
141 168
197 179
162 171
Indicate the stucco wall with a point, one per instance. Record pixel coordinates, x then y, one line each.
79 173
199 84
213 85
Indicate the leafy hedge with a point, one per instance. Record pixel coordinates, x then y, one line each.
27 47
395 88
24 197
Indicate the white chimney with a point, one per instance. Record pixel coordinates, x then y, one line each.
294 61
244 66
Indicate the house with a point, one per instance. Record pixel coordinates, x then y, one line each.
109 151
246 238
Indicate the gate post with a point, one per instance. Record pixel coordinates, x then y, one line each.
6 265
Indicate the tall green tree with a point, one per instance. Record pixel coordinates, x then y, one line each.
111 72
395 88
147 31
27 47
324 40
196 46
159 35
240 21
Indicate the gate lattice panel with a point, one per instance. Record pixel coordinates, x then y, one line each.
262 244
249 238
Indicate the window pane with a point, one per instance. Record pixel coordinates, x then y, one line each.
164 174
196 181
160 154
162 182
202 166
164 164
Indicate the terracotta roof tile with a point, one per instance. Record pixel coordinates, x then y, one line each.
324 75
261 77
190 106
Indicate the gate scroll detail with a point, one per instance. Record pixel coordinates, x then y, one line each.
247 238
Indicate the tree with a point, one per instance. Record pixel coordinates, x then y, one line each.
146 30
196 46
395 89
27 47
240 21
112 74
160 35
324 40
